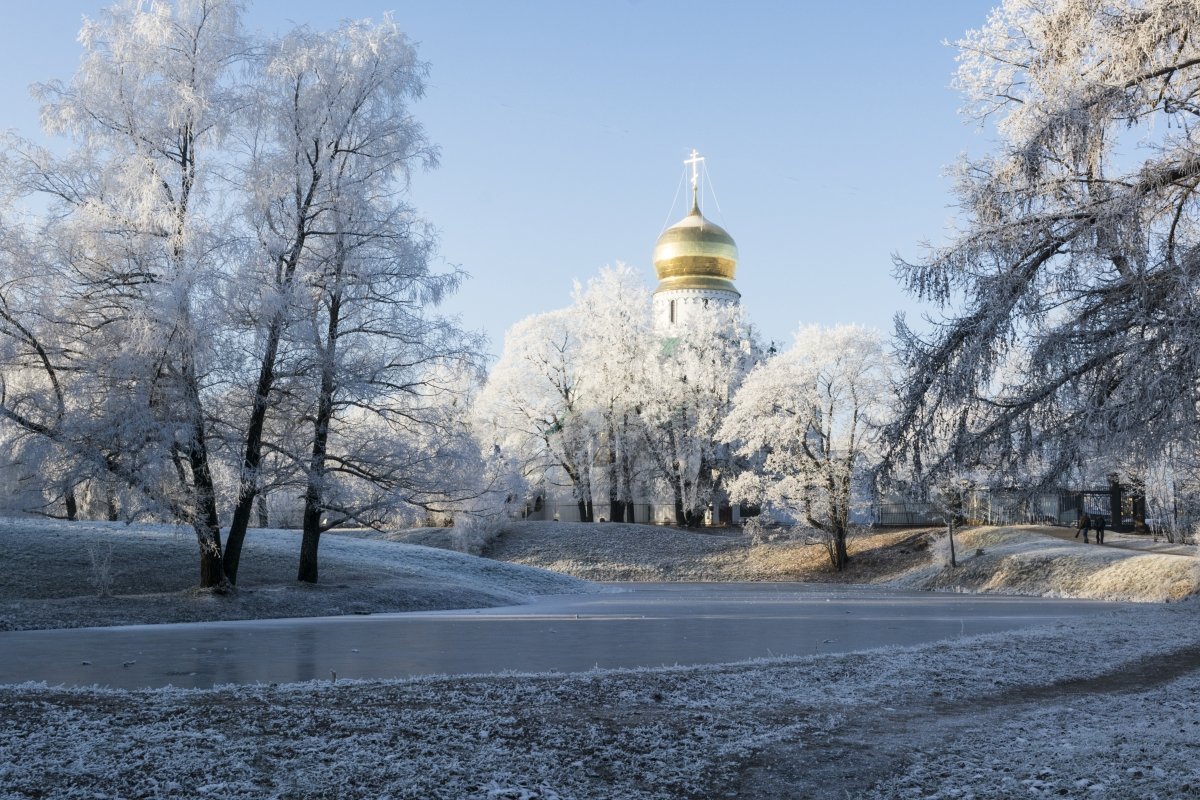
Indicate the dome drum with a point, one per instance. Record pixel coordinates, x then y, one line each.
701 282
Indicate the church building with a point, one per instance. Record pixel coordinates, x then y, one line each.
695 261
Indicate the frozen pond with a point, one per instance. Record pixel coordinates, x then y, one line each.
627 625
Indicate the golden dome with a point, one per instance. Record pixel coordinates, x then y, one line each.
695 254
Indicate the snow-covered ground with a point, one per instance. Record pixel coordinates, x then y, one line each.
624 552
51 581
1026 560
1049 562
1103 707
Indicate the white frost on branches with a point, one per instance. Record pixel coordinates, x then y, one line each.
809 420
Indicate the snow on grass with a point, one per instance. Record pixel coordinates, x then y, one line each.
625 552
1105 706
50 578
1023 560
1048 563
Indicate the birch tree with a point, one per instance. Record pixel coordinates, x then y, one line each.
689 382
230 275
533 407
809 416
614 315
1077 266
372 343
332 145
146 111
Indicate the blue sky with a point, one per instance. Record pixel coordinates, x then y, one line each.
564 125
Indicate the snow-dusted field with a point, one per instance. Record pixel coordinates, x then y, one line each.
50 580
1049 562
1102 707
1026 560
624 552
1105 707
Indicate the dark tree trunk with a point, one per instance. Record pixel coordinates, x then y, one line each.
72 505
627 478
311 539
252 459
314 493
212 573
677 489
616 508
250 479
264 517
206 522
840 555
111 501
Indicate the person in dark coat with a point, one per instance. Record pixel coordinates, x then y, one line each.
1085 523
1098 523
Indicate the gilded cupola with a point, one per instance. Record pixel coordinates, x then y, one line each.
695 254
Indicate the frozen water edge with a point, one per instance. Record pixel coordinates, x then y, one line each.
642 625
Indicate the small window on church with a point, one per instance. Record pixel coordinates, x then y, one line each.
672 312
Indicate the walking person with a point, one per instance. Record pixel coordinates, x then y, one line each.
1085 523
1098 522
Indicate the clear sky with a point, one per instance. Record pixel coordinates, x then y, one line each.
564 124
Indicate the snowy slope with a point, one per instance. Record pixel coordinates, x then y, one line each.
51 580
1025 560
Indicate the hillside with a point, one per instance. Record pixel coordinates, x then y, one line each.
1027 560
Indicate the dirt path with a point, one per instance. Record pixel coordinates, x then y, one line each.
875 747
1141 543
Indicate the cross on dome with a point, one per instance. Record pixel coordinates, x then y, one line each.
695 162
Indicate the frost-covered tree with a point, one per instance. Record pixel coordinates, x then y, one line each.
615 336
370 345
533 407
130 253
687 388
230 293
1072 290
333 146
810 416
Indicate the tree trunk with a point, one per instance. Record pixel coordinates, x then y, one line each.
616 508
627 478
205 519
264 517
314 493
841 556
72 505
252 459
950 533
311 538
